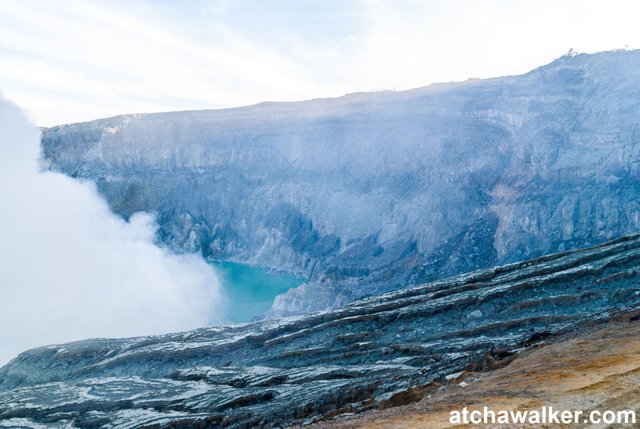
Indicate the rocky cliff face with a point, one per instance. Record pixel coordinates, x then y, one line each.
375 353
373 192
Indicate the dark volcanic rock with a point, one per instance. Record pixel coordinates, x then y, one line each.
374 192
379 352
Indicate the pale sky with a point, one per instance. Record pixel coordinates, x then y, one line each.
74 60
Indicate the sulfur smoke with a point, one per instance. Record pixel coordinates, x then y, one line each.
70 269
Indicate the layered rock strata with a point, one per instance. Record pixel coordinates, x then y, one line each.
375 353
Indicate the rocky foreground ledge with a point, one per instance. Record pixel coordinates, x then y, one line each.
377 353
582 371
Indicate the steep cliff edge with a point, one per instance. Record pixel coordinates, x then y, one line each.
375 353
373 192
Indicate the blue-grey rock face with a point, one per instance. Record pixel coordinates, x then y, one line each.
372 192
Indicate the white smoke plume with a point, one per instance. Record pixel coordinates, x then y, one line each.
70 269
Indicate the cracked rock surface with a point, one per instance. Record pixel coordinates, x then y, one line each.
375 353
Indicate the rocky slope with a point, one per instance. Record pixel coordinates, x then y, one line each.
595 371
375 353
373 192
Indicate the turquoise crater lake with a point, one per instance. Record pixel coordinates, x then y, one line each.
249 291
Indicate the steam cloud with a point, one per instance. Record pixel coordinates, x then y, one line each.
70 269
